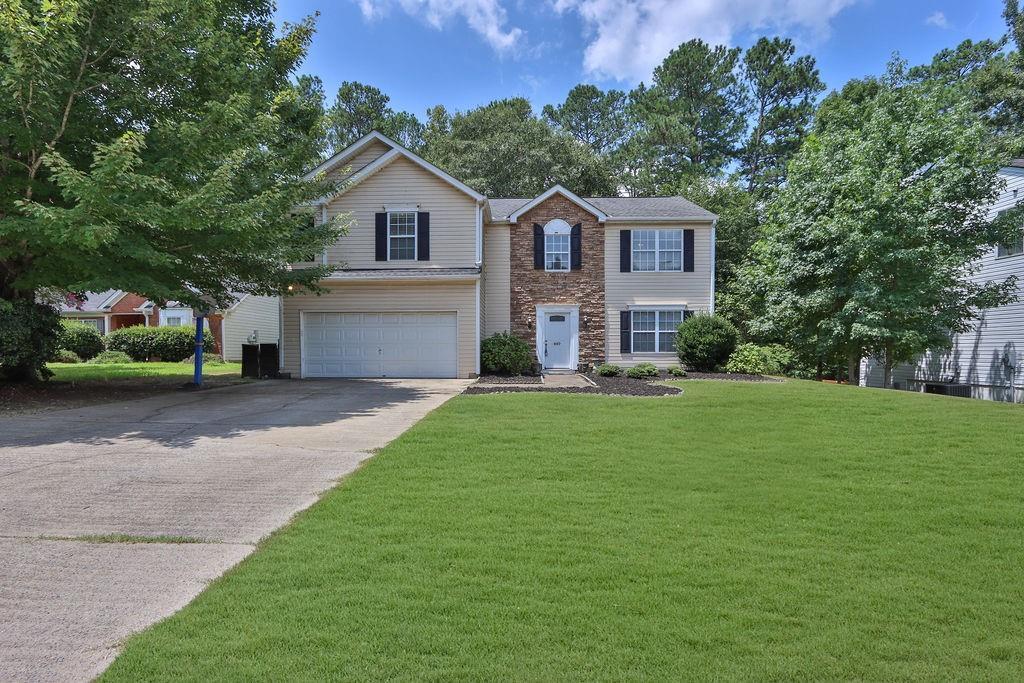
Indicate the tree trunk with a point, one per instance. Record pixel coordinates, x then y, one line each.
852 364
887 367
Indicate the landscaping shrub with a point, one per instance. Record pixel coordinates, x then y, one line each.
135 341
677 371
173 344
705 342
170 344
642 371
84 340
111 357
505 354
66 356
608 370
28 339
773 359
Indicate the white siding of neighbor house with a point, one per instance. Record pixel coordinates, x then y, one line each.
975 357
252 314
457 297
403 183
497 294
690 291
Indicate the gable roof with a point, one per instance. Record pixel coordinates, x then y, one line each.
396 150
617 208
553 190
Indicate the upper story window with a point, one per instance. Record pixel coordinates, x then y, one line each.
557 235
402 236
657 250
1013 248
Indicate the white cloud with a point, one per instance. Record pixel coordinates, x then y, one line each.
937 19
628 38
486 17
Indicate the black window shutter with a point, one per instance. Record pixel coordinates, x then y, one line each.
687 251
382 236
538 247
625 330
687 313
625 251
423 236
576 246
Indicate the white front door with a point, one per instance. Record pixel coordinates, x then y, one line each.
379 345
557 341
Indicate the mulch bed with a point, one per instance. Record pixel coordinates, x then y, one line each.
609 386
509 379
728 376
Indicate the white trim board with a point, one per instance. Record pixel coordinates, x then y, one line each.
558 189
397 149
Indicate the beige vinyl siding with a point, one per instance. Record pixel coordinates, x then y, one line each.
975 357
630 290
253 313
404 183
496 299
387 297
367 155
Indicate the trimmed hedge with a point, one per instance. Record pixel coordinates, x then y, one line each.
705 342
505 354
171 344
28 339
84 340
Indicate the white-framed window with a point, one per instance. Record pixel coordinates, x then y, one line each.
173 321
657 251
557 240
655 331
1013 248
92 322
402 236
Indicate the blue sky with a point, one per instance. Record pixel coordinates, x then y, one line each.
463 53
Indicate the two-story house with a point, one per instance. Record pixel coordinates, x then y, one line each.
430 266
987 361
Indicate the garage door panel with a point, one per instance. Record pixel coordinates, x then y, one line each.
380 345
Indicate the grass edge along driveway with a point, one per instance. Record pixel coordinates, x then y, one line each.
767 531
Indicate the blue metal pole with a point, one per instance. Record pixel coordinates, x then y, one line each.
197 378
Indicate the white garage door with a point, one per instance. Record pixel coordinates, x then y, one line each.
379 345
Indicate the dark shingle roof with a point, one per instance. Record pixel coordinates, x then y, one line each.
619 207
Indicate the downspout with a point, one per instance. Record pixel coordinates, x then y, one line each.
477 327
714 225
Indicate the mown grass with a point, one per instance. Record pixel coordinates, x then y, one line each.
739 531
78 372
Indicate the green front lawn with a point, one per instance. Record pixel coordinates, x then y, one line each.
77 372
752 531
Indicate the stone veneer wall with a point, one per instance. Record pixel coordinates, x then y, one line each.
585 287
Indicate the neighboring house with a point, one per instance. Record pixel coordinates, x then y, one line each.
988 361
250 318
430 266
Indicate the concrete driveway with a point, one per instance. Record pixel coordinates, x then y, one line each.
224 466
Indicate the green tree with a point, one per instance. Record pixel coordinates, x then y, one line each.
502 150
781 91
594 117
872 243
693 116
152 147
359 109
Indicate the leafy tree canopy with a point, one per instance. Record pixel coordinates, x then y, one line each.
503 150
359 109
